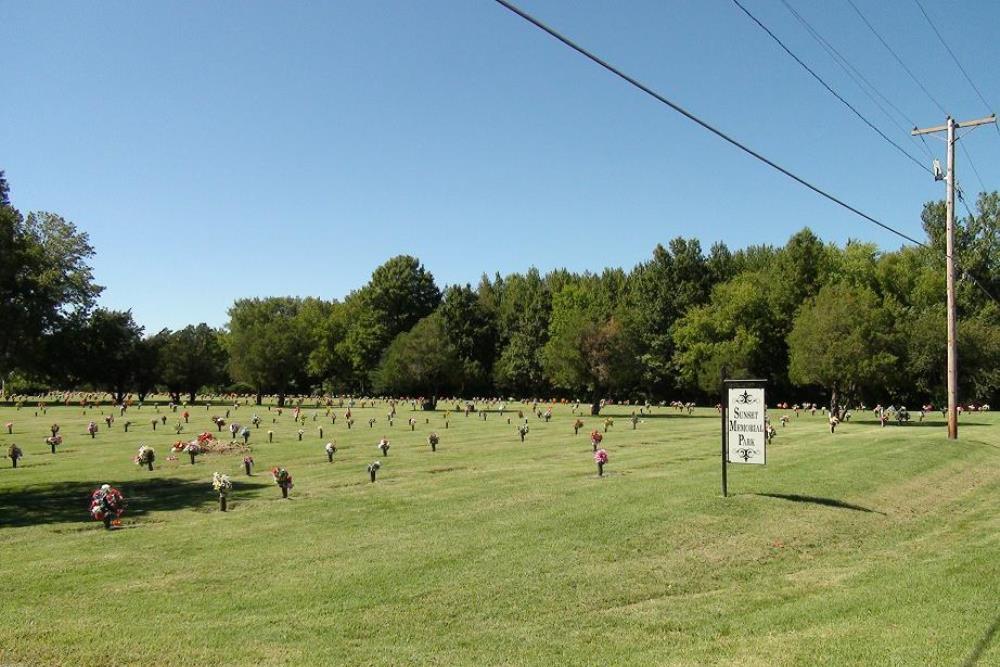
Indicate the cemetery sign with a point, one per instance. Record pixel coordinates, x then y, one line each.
744 426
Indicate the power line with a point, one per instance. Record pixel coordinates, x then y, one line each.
898 59
830 89
861 81
690 116
719 133
972 164
955 58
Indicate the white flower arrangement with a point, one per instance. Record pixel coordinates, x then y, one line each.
145 455
221 484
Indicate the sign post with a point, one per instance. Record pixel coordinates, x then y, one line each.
744 426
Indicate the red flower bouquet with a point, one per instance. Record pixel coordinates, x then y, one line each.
107 504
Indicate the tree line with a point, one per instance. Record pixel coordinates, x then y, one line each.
831 323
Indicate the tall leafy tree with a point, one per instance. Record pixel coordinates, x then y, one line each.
400 293
591 347
329 361
662 290
472 331
106 352
522 324
727 337
269 345
146 368
844 341
192 358
44 278
420 362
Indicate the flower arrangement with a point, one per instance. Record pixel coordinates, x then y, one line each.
577 425
53 441
92 429
600 457
608 423
833 424
383 446
247 464
107 504
350 423
186 415
433 440
413 423
595 438
219 422
10 427
126 425
145 457
55 429
522 430
301 432
373 469
14 453
282 479
153 423
234 428
371 423
270 436
331 449
222 485
109 420
635 420
193 449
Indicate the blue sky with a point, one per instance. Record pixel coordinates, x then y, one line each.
217 150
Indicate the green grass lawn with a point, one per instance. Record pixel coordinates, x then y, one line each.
874 546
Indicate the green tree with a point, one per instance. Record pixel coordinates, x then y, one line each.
661 291
192 358
107 351
146 367
420 362
737 334
591 347
844 341
269 345
977 246
400 293
472 331
329 360
44 278
525 305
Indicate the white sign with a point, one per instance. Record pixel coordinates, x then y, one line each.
746 436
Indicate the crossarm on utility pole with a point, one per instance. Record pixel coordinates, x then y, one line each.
992 118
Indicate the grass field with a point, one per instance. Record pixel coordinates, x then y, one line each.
874 546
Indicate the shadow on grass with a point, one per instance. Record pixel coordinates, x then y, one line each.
982 644
63 502
814 500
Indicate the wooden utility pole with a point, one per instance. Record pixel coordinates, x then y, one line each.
950 126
